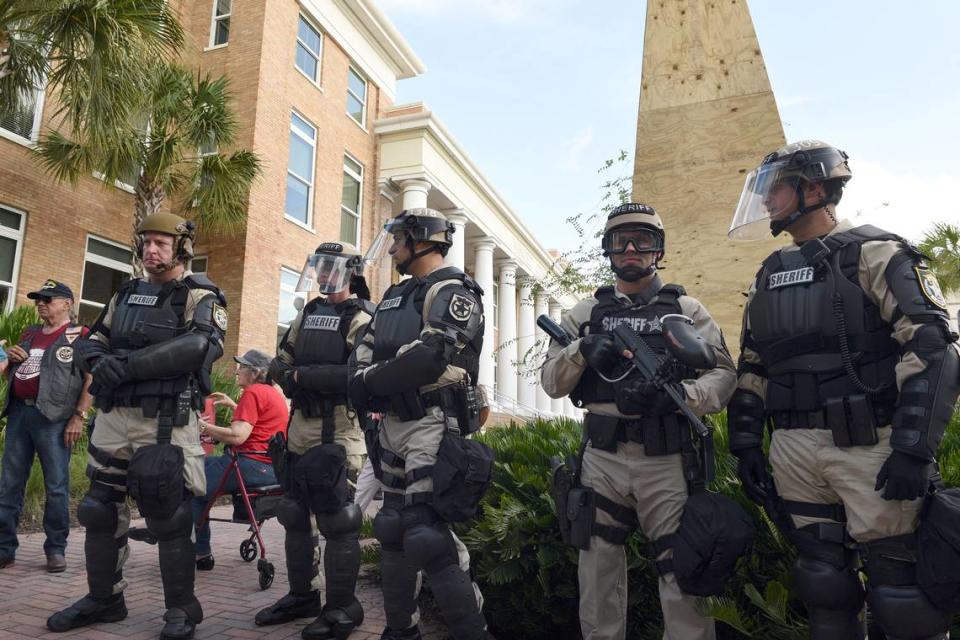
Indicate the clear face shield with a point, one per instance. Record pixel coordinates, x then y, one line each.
769 194
392 231
326 273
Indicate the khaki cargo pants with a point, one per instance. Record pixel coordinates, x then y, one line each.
809 467
123 430
417 442
655 488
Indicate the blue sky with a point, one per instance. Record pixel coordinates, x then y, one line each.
541 92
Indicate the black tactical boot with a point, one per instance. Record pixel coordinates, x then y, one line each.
290 607
88 610
413 633
334 622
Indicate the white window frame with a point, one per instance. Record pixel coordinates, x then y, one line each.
214 18
308 223
296 294
358 214
206 260
319 55
366 90
103 262
16 236
35 131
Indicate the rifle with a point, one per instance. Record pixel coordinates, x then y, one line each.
686 345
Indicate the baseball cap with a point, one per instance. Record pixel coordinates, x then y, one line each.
51 289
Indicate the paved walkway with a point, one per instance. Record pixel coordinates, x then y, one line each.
230 594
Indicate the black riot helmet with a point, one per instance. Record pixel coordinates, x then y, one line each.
417 225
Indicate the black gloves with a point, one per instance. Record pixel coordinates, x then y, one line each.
903 477
600 352
635 396
110 371
752 469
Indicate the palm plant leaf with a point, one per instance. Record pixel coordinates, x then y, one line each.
942 245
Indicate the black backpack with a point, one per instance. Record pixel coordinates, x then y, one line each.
938 542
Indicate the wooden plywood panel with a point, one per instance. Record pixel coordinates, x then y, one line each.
707 117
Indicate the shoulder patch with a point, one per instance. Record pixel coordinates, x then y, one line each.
220 316
930 287
460 307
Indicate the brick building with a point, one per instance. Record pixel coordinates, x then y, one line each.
313 86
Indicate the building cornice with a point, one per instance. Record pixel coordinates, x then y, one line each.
393 43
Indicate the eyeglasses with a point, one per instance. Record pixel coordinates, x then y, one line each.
43 299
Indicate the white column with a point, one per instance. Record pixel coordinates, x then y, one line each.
541 308
556 404
568 409
507 323
415 193
483 274
526 341
457 253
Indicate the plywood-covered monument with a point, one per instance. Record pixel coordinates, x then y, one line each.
707 117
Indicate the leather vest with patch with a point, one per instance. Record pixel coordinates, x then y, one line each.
61 380
612 311
399 319
797 316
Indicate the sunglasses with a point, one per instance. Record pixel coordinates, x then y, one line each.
43 299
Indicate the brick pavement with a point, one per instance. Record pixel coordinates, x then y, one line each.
230 594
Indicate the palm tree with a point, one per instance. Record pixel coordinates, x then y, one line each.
942 245
170 151
89 53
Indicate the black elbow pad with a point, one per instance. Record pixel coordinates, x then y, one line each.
745 420
182 355
422 364
87 351
329 378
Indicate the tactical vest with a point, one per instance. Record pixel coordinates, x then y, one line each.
322 334
797 317
612 311
322 340
399 319
146 314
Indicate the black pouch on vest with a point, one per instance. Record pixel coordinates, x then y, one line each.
155 480
320 478
581 513
468 409
461 475
407 405
852 421
277 450
662 436
602 431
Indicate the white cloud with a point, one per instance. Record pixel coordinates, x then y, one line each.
908 204
575 148
503 11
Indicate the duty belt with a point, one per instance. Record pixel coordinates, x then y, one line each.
442 397
821 418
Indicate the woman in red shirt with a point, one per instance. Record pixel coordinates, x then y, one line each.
257 416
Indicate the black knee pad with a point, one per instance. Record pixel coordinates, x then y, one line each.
905 613
293 515
891 561
388 529
343 522
178 525
430 547
419 514
810 544
824 586
96 516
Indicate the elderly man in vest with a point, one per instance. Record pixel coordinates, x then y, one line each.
46 400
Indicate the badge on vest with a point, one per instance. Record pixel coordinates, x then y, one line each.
790 278
142 300
392 303
460 307
322 323
220 317
640 325
65 354
930 287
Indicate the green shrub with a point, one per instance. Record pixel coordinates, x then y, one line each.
528 576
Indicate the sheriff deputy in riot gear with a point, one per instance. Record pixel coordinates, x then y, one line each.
847 355
418 365
633 461
325 445
150 353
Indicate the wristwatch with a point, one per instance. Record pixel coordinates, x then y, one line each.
78 413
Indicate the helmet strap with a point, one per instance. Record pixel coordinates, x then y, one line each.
414 254
778 226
